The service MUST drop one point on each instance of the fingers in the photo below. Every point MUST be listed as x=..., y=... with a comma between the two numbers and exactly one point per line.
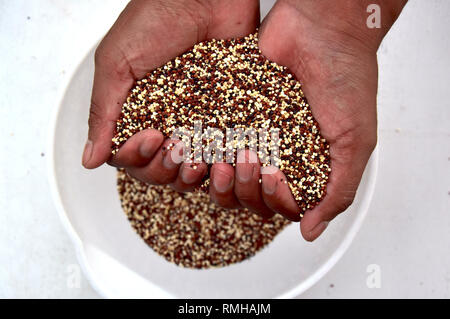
x=277, y=194
x=108, y=93
x=189, y=177
x=241, y=187
x=162, y=169
x=221, y=188
x=247, y=187
x=138, y=150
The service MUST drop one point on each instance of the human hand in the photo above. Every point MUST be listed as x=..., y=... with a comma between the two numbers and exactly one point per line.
x=336, y=64
x=329, y=48
x=147, y=34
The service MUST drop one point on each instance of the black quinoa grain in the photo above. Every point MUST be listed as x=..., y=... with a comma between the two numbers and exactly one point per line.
x=190, y=231
x=229, y=83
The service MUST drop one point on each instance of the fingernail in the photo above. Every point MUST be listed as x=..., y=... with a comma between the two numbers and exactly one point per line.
x=168, y=162
x=269, y=184
x=188, y=174
x=87, y=153
x=147, y=149
x=222, y=182
x=244, y=170
x=177, y=153
x=318, y=230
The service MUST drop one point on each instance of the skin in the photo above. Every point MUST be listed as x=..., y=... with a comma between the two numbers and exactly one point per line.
x=327, y=45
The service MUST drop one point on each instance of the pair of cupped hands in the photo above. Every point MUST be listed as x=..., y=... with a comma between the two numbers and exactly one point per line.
x=326, y=44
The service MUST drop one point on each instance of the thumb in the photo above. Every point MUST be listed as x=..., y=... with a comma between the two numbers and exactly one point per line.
x=112, y=80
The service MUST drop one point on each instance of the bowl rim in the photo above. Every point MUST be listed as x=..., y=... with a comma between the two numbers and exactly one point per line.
x=78, y=243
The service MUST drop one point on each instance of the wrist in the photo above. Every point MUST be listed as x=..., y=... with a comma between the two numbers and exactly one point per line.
x=364, y=22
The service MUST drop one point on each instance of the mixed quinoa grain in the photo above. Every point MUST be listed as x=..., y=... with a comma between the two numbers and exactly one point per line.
x=229, y=83
x=190, y=231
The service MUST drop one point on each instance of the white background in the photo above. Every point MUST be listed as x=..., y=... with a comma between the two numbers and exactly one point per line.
x=406, y=233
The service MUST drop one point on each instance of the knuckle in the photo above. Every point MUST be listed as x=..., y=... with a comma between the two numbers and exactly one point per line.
x=223, y=202
x=176, y=187
x=111, y=60
x=147, y=177
x=245, y=197
x=101, y=55
x=161, y=179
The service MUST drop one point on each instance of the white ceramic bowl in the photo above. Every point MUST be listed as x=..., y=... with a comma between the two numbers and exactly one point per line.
x=119, y=264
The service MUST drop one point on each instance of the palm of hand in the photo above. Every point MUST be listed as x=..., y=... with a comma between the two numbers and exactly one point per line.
x=146, y=35
x=339, y=83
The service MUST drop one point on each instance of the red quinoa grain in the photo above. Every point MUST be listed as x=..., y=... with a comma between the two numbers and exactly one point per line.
x=189, y=230
x=229, y=83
